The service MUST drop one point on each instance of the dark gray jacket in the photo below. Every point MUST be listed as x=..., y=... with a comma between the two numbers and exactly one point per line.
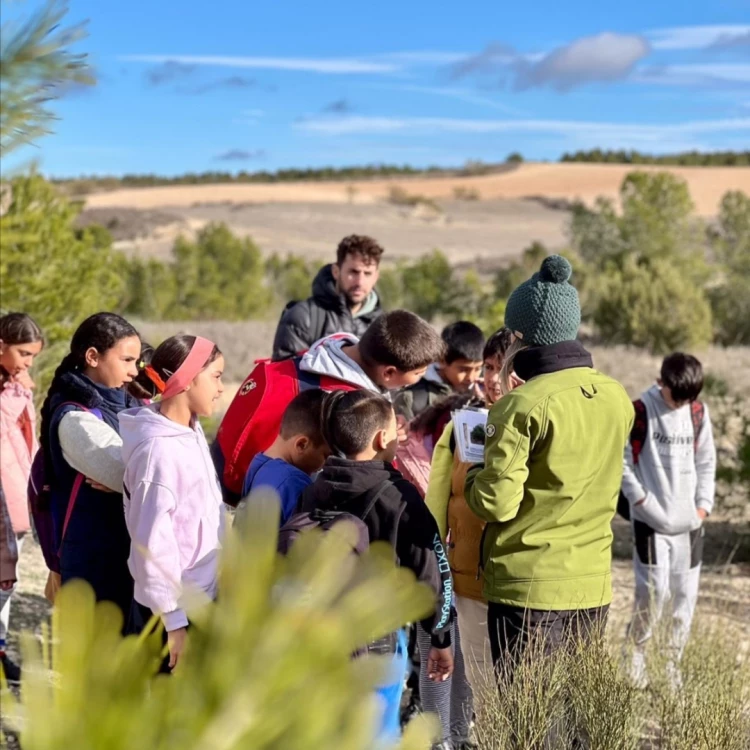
x=326, y=312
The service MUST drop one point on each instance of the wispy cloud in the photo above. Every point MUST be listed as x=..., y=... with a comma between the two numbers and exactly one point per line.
x=728, y=42
x=694, y=37
x=238, y=154
x=644, y=133
x=696, y=74
x=168, y=71
x=423, y=57
x=335, y=66
x=230, y=82
x=464, y=95
x=339, y=107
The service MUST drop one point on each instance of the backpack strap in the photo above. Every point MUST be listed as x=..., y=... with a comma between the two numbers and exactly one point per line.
x=640, y=429
x=378, y=491
x=78, y=481
x=697, y=413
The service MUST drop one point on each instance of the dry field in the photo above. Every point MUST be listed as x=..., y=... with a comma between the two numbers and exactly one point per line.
x=309, y=218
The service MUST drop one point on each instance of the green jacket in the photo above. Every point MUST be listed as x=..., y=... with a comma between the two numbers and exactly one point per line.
x=548, y=490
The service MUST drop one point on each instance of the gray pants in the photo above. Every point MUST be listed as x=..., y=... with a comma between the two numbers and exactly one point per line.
x=5, y=600
x=450, y=700
x=667, y=573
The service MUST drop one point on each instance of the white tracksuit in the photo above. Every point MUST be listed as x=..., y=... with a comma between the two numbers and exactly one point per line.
x=676, y=478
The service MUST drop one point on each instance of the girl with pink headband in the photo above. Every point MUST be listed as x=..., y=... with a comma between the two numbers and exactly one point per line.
x=173, y=503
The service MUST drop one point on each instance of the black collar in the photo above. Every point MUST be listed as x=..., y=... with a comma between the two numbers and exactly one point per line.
x=542, y=360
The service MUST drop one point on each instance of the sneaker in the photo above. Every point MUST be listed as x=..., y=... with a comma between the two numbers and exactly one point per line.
x=11, y=669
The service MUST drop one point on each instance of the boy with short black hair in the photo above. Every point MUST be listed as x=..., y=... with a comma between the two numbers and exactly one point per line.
x=394, y=352
x=360, y=428
x=669, y=479
x=298, y=452
x=456, y=372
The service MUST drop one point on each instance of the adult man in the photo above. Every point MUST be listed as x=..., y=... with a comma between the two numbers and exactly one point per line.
x=343, y=299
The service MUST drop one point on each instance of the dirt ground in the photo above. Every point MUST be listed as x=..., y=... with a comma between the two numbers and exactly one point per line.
x=515, y=208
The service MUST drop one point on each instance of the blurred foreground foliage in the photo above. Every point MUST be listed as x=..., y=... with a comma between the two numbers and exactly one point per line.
x=268, y=666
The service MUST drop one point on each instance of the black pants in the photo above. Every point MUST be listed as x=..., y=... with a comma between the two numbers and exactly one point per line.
x=511, y=629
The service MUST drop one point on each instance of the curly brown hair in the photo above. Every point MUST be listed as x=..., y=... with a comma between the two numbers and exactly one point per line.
x=359, y=244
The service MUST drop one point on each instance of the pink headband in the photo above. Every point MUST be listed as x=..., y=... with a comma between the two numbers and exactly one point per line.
x=190, y=368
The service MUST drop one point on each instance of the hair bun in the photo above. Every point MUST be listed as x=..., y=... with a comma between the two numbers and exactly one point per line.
x=556, y=269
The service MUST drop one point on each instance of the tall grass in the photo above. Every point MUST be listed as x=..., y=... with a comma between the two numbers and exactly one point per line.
x=582, y=697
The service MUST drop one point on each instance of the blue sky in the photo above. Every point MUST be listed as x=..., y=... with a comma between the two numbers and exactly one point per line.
x=194, y=86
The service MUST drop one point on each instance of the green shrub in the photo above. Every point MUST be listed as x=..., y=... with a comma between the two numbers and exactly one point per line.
x=267, y=667
x=652, y=306
x=401, y=197
x=730, y=304
x=291, y=277
x=462, y=193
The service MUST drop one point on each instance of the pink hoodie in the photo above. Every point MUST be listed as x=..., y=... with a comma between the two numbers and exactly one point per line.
x=173, y=511
x=18, y=446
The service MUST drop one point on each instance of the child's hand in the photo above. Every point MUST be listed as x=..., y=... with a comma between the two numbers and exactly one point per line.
x=6, y=585
x=440, y=664
x=702, y=514
x=176, y=642
x=98, y=486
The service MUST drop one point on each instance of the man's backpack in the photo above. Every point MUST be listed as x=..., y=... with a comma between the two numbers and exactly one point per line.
x=414, y=462
x=638, y=436
x=40, y=502
x=253, y=419
x=327, y=520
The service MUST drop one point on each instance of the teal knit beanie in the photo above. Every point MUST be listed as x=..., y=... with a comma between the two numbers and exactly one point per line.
x=545, y=309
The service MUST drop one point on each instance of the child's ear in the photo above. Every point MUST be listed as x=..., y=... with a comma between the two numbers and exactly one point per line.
x=380, y=441
x=301, y=443
x=389, y=373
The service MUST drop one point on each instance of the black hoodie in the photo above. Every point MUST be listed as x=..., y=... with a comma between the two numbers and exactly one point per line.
x=322, y=314
x=399, y=517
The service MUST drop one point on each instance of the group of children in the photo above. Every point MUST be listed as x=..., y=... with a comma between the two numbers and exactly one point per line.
x=120, y=428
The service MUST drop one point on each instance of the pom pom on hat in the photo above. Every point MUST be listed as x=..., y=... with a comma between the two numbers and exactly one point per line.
x=556, y=269
x=545, y=309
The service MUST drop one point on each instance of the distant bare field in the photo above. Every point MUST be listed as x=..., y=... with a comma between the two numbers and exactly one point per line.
x=559, y=181
x=515, y=208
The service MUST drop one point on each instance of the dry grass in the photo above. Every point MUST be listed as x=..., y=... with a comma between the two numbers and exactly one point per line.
x=582, y=697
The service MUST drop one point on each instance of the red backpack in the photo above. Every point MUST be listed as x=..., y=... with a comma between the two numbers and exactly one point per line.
x=253, y=419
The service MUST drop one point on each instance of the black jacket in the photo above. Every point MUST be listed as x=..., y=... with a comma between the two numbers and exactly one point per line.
x=326, y=312
x=399, y=517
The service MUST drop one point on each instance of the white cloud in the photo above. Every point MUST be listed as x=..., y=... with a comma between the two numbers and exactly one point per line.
x=697, y=74
x=659, y=135
x=694, y=37
x=601, y=58
x=340, y=66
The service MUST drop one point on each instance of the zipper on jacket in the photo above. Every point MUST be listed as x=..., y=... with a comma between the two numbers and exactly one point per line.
x=480, y=567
